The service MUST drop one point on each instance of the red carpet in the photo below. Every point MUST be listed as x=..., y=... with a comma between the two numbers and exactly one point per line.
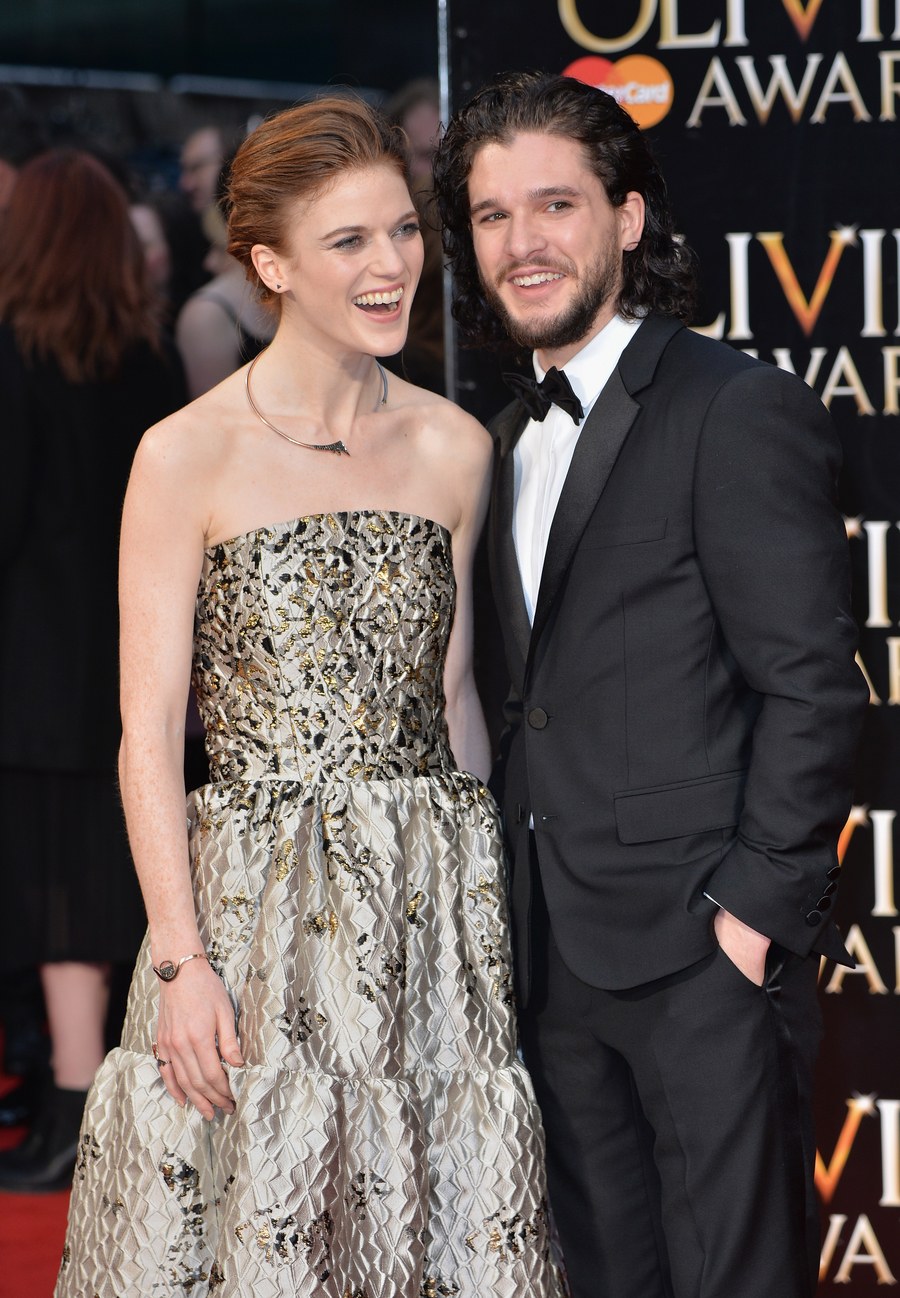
x=32, y=1227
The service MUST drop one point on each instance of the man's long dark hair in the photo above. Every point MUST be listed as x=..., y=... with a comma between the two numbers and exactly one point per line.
x=657, y=276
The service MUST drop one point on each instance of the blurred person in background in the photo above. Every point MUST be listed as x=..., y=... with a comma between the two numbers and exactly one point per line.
x=223, y=325
x=151, y=232
x=83, y=370
x=415, y=108
x=202, y=155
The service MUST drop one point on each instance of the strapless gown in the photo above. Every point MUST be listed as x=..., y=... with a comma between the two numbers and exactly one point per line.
x=349, y=884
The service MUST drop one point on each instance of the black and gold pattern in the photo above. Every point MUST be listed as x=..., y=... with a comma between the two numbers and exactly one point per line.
x=349, y=881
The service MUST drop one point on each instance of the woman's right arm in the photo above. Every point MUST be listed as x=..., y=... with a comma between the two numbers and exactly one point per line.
x=160, y=559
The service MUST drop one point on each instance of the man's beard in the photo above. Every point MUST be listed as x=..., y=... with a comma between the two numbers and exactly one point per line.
x=599, y=285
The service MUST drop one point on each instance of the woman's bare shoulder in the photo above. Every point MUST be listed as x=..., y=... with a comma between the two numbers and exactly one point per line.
x=444, y=424
x=185, y=453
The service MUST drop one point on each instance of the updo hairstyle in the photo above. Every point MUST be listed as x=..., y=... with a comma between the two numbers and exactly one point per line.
x=296, y=155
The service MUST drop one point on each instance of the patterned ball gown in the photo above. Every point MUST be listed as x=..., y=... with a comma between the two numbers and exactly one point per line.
x=349, y=883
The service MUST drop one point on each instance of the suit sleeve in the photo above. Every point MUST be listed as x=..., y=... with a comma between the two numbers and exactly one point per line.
x=774, y=555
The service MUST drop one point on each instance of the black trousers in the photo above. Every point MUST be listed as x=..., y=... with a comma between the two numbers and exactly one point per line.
x=680, y=1150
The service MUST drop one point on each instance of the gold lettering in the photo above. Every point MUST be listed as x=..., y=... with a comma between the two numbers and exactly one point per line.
x=864, y=1237
x=802, y=15
x=827, y=1178
x=779, y=82
x=716, y=79
x=876, y=530
x=873, y=696
x=858, y=947
x=840, y=72
x=669, y=37
x=873, y=273
x=883, y=855
x=890, y=88
x=806, y=313
x=893, y=648
x=890, y=358
x=856, y=818
x=570, y=19
x=836, y=1223
x=890, y=1153
x=844, y=367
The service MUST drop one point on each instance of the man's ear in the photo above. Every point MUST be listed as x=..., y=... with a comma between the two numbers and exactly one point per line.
x=269, y=266
x=631, y=221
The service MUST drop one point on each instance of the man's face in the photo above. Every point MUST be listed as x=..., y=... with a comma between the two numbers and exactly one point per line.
x=201, y=161
x=548, y=242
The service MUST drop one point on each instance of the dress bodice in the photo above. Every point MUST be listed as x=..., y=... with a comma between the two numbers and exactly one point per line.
x=319, y=649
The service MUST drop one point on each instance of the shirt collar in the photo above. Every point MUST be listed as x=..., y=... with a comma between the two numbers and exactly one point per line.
x=589, y=369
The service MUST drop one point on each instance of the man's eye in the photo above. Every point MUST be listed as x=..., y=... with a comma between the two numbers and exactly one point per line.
x=557, y=205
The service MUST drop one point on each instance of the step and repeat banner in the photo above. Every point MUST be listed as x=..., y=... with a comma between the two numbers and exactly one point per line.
x=775, y=122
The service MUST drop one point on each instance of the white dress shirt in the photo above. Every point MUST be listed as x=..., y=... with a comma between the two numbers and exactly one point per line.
x=544, y=452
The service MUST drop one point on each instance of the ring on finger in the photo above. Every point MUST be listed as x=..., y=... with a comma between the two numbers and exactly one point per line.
x=160, y=1063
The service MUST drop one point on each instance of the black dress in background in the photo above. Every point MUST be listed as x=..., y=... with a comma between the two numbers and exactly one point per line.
x=65, y=871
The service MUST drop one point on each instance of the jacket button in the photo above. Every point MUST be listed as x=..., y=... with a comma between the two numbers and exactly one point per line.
x=830, y=890
x=833, y=873
x=824, y=903
x=813, y=918
x=537, y=718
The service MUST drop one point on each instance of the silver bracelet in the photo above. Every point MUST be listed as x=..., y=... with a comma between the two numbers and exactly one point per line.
x=167, y=970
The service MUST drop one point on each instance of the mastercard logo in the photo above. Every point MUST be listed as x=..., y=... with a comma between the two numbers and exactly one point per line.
x=640, y=84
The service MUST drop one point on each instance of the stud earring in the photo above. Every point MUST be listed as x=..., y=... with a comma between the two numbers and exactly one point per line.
x=278, y=286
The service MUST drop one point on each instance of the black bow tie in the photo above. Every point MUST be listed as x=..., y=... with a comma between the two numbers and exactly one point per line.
x=554, y=390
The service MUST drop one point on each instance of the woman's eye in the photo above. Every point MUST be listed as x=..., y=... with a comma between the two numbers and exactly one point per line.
x=351, y=241
x=408, y=230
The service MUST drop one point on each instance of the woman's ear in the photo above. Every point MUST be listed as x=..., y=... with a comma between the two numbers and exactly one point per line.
x=268, y=266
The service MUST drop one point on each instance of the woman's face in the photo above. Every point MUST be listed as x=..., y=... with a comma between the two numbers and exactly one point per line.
x=354, y=256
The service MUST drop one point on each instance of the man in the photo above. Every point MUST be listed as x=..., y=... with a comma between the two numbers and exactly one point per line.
x=672, y=577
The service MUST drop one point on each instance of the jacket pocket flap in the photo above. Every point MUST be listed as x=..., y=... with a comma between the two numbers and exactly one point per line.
x=600, y=535
x=675, y=810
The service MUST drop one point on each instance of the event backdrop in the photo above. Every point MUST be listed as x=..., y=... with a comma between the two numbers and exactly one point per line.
x=775, y=123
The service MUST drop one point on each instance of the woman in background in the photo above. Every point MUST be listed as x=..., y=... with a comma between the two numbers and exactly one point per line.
x=223, y=324
x=82, y=371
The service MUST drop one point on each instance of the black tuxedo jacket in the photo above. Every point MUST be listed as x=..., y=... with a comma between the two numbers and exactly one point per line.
x=685, y=709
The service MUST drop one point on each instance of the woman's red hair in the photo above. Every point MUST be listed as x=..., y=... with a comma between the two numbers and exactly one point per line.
x=72, y=279
x=294, y=156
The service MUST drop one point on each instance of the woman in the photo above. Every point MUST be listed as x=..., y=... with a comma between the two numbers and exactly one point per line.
x=82, y=369
x=223, y=324
x=317, y=1091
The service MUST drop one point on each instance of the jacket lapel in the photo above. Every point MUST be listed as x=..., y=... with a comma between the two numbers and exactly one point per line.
x=596, y=452
x=505, y=576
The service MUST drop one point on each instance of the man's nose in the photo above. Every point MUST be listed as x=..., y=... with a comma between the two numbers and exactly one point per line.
x=524, y=237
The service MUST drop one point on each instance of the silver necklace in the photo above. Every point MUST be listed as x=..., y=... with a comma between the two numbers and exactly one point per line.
x=336, y=448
